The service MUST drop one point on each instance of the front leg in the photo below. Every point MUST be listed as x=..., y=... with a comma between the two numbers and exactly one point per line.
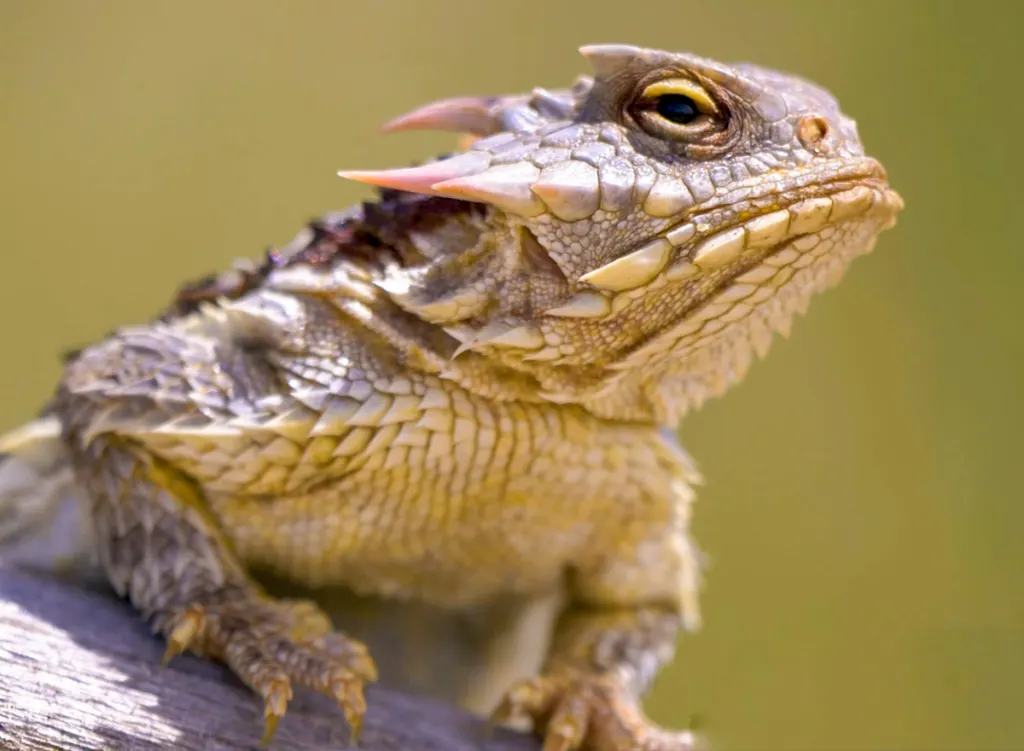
x=162, y=544
x=619, y=630
x=162, y=548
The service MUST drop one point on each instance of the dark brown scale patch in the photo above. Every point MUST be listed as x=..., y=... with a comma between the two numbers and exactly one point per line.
x=374, y=234
x=377, y=232
x=232, y=284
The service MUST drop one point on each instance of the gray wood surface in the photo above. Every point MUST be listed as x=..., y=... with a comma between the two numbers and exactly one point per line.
x=79, y=671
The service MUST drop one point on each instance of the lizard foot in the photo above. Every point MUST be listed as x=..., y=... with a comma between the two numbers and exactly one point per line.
x=581, y=711
x=271, y=644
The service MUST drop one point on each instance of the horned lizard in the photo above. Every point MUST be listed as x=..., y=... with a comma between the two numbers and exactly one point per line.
x=469, y=388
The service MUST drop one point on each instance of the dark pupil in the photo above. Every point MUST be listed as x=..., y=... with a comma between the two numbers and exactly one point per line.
x=677, y=108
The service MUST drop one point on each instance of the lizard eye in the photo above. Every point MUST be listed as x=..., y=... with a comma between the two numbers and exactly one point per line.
x=677, y=108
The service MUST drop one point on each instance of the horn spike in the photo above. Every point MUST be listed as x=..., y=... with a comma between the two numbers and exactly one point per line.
x=585, y=304
x=421, y=179
x=459, y=114
x=501, y=334
x=520, y=337
x=507, y=186
x=571, y=190
x=633, y=270
x=609, y=60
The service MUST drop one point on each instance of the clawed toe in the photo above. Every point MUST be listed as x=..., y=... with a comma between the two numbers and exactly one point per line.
x=567, y=728
x=276, y=695
x=272, y=648
x=587, y=712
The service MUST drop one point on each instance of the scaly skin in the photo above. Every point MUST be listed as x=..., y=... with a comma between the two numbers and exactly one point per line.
x=468, y=390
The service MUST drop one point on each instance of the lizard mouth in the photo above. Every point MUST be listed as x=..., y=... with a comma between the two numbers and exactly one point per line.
x=761, y=227
x=734, y=231
x=765, y=259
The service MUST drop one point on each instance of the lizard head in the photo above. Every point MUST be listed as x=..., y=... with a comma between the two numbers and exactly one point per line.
x=649, y=229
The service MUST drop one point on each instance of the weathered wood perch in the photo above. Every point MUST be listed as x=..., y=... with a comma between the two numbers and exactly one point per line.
x=79, y=672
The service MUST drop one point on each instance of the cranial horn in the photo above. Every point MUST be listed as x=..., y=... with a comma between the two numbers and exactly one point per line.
x=460, y=114
x=422, y=179
x=507, y=186
x=610, y=59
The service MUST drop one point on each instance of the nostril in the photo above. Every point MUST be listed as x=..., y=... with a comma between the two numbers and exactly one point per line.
x=812, y=130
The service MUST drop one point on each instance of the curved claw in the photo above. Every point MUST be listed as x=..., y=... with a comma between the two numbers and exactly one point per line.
x=189, y=626
x=275, y=702
x=348, y=693
x=459, y=114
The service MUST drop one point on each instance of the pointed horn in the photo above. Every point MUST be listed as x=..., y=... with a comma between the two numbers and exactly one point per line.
x=460, y=114
x=501, y=334
x=571, y=190
x=609, y=60
x=507, y=186
x=422, y=179
x=633, y=270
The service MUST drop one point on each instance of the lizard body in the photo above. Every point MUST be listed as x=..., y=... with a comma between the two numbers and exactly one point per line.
x=468, y=390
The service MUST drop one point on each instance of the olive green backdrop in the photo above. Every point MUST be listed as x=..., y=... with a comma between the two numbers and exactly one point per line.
x=863, y=509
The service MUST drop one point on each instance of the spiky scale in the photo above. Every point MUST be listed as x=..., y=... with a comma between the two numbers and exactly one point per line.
x=632, y=270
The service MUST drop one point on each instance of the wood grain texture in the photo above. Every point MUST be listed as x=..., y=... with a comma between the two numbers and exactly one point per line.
x=80, y=672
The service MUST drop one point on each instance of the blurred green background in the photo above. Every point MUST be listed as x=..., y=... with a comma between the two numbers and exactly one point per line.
x=863, y=509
